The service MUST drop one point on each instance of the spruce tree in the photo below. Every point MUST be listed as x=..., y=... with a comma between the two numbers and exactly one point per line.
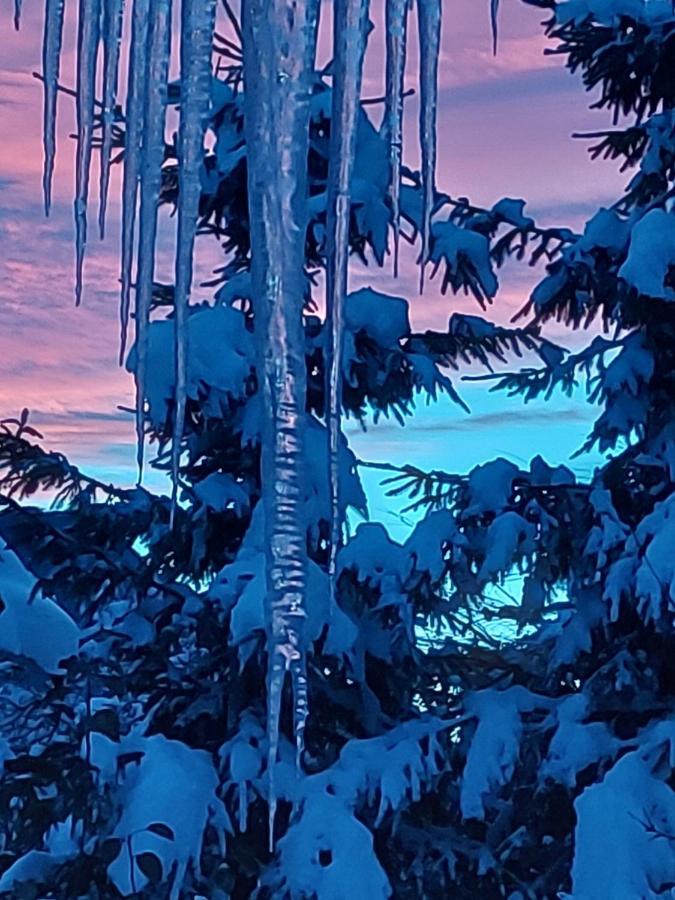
x=440, y=759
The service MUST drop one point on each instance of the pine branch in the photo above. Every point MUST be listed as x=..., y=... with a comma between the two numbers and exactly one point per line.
x=471, y=339
x=43, y=525
x=25, y=469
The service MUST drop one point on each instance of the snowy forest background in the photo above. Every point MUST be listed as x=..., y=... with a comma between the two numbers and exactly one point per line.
x=482, y=709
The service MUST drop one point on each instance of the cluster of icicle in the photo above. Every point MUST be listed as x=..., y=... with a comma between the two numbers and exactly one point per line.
x=279, y=49
x=100, y=25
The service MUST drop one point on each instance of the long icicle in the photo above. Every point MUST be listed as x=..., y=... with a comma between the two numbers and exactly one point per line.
x=279, y=52
x=349, y=39
x=197, y=24
x=133, y=115
x=51, y=63
x=494, y=23
x=153, y=146
x=396, y=27
x=87, y=54
x=112, y=36
x=429, y=16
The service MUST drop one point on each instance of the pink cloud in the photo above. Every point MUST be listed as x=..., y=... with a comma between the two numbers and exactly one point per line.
x=504, y=126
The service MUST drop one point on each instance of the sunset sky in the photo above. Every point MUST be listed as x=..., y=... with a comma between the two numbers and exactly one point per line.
x=505, y=127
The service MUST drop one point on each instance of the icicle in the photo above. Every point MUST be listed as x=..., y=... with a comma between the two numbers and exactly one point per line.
x=300, y=706
x=197, y=23
x=243, y=806
x=396, y=26
x=51, y=60
x=429, y=13
x=159, y=46
x=349, y=37
x=87, y=53
x=279, y=51
x=17, y=14
x=112, y=35
x=133, y=115
x=494, y=11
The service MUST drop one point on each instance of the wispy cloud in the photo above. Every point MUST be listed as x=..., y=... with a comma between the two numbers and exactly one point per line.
x=504, y=129
x=509, y=418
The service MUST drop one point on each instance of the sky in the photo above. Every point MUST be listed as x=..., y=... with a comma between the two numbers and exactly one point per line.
x=505, y=126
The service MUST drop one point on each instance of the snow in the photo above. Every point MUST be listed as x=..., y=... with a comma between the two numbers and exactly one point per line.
x=494, y=747
x=512, y=211
x=610, y=533
x=607, y=230
x=219, y=491
x=36, y=865
x=427, y=378
x=508, y=535
x=631, y=368
x=616, y=855
x=410, y=201
x=460, y=246
x=382, y=317
x=576, y=744
x=173, y=785
x=651, y=254
x=329, y=854
x=377, y=560
x=573, y=631
x=122, y=617
x=547, y=289
x=541, y=473
x=229, y=148
x=660, y=130
x=462, y=325
x=221, y=360
x=369, y=185
x=371, y=213
x=32, y=625
x=61, y=841
x=335, y=828
x=655, y=576
x=315, y=488
x=237, y=287
x=429, y=542
x=642, y=567
x=243, y=757
x=490, y=486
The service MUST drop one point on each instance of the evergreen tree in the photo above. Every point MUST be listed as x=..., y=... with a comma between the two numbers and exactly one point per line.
x=440, y=760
